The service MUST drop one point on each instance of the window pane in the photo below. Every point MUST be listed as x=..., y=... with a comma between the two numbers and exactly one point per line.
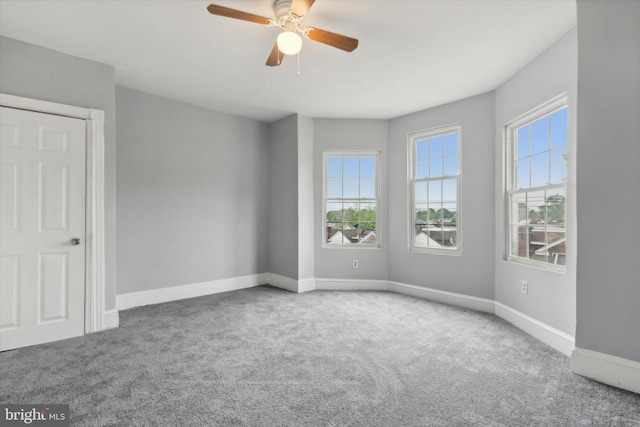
x=540, y=169
x=422, y=214
x=354, y=222
x=436, y=236
x=448, y=227
x=422, y=169
x=520, y=241
x=555, y=245
x=422, y=149
x=334, y=221
x=523, y=173
x=435, y=146
x=350, y=188
x=367, y=167
x=559, y=165
x=435, y=191
x=334, y=233
x=334, y=166
x=334, y=188
x=420, y=194
x=435, y=213
x=367, y=188
x=555, y=207
x=334, y=212
x=422, y=237
x=519, y=209
x=524, y=146
x=559, y=123
x=451, y=165
x=449, y=190
x=451, y=144
x=435, y=219
x=435, y=167
x=448, y=211
x=350, y=214
x=540, y=135
x=535, y=207
x=367, y=216
x=350, y=166
x=537, y=222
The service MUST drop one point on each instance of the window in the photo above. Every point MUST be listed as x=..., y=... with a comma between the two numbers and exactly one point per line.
x=434, y=176
x=351, y=200
x=537, y=147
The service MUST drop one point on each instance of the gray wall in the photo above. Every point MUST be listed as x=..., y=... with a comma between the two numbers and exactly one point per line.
x=470, y=273
x=35, y=72
x=608, y=315
x=306, y=207
x=283, y=198
x=552, y=296
x=192, y=193
x=369, y=135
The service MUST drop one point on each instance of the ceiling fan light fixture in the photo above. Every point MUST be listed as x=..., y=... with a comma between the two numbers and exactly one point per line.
x=289, y=43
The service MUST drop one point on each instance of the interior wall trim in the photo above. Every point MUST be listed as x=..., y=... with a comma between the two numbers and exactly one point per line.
x=174, y=293
x=351, y=285
x=608, y=369
x=111, y=319
x=549, y=335
x=282, y=282
x=459, y=300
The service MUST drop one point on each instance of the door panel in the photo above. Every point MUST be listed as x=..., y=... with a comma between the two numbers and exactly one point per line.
x=43, y=207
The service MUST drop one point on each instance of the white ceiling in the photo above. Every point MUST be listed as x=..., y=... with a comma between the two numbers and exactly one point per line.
x=413, y=54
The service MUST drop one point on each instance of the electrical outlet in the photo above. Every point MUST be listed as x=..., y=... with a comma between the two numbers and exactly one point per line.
x=355, y=263
x=525, y=287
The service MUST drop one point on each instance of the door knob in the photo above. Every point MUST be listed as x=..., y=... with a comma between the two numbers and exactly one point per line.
x=75, y=241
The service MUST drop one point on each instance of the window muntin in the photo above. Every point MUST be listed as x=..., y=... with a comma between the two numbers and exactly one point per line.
x=435, y=190
x=351, y=199
x=537, y=188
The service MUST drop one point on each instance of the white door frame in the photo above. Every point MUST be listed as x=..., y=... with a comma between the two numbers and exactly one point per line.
x=94, y=312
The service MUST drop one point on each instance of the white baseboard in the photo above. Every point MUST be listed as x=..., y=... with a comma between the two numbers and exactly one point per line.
x=545, y=333
x=282, y=282
x=289, y=284
x=601, y=367
x=173, y=293
x=110, y=319
x=608, y=369
x=351, y=285
x=557, y=339
x=459, y=300
x=306, y=285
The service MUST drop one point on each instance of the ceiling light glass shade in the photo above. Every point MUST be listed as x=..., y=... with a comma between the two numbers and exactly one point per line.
x=289, y=43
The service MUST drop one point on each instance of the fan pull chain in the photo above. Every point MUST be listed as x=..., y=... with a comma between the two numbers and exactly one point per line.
x=298, y=62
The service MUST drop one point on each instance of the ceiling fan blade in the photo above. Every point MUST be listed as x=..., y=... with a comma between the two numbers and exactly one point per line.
x=301, y=7
x=275, y=57
x=332, y=39
x=214, y=9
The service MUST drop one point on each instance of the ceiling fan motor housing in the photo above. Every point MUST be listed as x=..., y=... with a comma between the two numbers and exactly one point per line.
x=281, y=9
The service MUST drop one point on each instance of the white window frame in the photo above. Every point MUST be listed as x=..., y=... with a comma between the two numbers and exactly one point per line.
x=376, y=156
x=546, y=109
x=413, y=138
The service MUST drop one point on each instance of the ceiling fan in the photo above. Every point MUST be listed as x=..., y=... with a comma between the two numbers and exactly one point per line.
x=288, y=16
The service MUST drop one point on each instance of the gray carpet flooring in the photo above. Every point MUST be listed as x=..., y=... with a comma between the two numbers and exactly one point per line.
x=266, y=357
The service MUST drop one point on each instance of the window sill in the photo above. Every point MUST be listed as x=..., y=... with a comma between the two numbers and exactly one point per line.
x=358, y=247
x=433, y=251
x=552, y=268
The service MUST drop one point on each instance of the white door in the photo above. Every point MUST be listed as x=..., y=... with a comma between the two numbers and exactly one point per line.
x=42, y=226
